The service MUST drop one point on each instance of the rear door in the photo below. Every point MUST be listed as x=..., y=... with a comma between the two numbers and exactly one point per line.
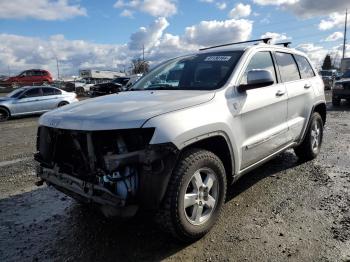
x=263, y=114
x=49, y=98
x=299, y=88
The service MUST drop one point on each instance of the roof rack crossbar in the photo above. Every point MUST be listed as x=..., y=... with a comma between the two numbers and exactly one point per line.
x=285, y=44
x=265, y=40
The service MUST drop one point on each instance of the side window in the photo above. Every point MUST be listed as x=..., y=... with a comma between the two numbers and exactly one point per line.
x=57, y=92
x=288, y=68
x=33, y=92
x=48, y=91
x=304, y=67
x=261, y=60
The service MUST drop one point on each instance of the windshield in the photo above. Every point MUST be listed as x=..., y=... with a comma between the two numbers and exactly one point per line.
x=206, y=71
x=15, y=93
x=346, y=74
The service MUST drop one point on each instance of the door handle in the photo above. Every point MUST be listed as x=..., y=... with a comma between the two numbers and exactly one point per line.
x=307, y=86
x=280, y=93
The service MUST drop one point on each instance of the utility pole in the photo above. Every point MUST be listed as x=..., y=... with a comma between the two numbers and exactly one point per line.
x=346, y=22
x=8, y=67
x=58, y=69
x=143, y=53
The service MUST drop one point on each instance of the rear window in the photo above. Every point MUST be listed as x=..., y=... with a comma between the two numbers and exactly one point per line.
x=48, y=91
x=305, y=68
x=287, y=66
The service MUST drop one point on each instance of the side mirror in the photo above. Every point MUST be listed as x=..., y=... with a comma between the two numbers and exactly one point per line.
x=257, y=78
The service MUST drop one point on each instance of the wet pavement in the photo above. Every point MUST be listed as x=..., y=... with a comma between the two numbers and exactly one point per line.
x=282, y=211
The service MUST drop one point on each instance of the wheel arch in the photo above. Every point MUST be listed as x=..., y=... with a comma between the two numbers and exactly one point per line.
x=320, y=108
x=62, y=101
x=6, y=108
x=219, y=144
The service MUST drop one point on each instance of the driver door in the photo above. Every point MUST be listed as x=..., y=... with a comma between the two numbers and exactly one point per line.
x=263, y=114
x=29, y=101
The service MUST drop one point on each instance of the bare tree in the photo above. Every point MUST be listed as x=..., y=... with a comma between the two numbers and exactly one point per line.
x=139, y=66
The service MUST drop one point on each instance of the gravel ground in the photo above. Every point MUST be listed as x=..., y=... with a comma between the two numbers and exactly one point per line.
x=282, y=211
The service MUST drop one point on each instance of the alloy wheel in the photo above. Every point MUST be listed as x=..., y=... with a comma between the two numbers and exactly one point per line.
x=201, y=196
x=315, y=136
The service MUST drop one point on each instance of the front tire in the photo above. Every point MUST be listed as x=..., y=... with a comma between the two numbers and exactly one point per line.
x=4, y=114
x=195, y=196
x=63, y=103
x=310, y=147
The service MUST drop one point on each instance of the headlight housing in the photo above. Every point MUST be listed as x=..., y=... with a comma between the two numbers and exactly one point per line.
x=338, y=86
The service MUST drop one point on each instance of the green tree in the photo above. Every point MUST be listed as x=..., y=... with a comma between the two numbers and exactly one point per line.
x=327, y=63
x=139, y=66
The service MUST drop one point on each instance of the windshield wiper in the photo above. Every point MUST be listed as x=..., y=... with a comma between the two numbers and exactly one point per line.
x=160, y=87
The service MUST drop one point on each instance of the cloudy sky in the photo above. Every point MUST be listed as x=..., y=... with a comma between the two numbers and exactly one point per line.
x=108, y=34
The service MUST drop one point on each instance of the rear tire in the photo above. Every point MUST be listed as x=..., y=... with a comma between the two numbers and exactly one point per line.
x=310, y=147
x=4, y=114
x=63, y=103
x=335, y=101
x=195, y=196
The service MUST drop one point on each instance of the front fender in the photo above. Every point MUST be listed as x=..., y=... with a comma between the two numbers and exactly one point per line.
x=187, y=126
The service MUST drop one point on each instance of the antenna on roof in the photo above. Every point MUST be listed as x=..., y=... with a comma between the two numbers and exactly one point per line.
x=265, y=40
x=285, y=44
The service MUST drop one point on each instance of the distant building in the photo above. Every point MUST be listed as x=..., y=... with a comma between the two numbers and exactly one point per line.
x=345, y=64
x=99, y=74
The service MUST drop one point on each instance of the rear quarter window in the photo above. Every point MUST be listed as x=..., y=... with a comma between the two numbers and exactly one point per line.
x=58, y=92
x=287, y=66
x=305, y=68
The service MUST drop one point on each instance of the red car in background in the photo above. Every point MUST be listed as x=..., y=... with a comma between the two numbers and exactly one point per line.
x=28, y=77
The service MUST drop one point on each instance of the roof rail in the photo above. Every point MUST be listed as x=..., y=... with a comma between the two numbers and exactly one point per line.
x=285, y=44
x=265, y=40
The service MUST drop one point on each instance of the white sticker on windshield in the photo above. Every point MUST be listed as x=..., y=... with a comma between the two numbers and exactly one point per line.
x=221, y=58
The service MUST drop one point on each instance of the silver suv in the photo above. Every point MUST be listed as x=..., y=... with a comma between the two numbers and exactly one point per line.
x=183, y=133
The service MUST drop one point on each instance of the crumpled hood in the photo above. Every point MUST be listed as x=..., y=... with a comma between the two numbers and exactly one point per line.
x=123, y=110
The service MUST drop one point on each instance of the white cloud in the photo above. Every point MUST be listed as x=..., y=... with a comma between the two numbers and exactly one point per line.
x=308, y=8
x=148, y=37
x=40, y=9
x=275, y=2
x=276, y=37
x=333, y=20
x=22, y=52
x=334, y=37
x=218, y=32
x=221, y=5
x=240, y=10
x=127, y=13
x=164, y=8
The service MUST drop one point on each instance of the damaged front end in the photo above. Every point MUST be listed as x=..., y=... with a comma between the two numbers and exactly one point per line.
x=117, y=169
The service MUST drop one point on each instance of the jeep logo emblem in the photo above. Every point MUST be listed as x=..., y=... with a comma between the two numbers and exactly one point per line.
x=54, y=122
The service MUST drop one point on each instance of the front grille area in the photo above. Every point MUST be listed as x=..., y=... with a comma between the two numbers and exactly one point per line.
x=71, y=152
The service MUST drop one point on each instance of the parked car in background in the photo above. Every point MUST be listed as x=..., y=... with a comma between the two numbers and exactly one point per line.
x=341, y=89
x=116, y=85
x=28, y=78
x=328, y=77
x=174, y=148
x=33, y=100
